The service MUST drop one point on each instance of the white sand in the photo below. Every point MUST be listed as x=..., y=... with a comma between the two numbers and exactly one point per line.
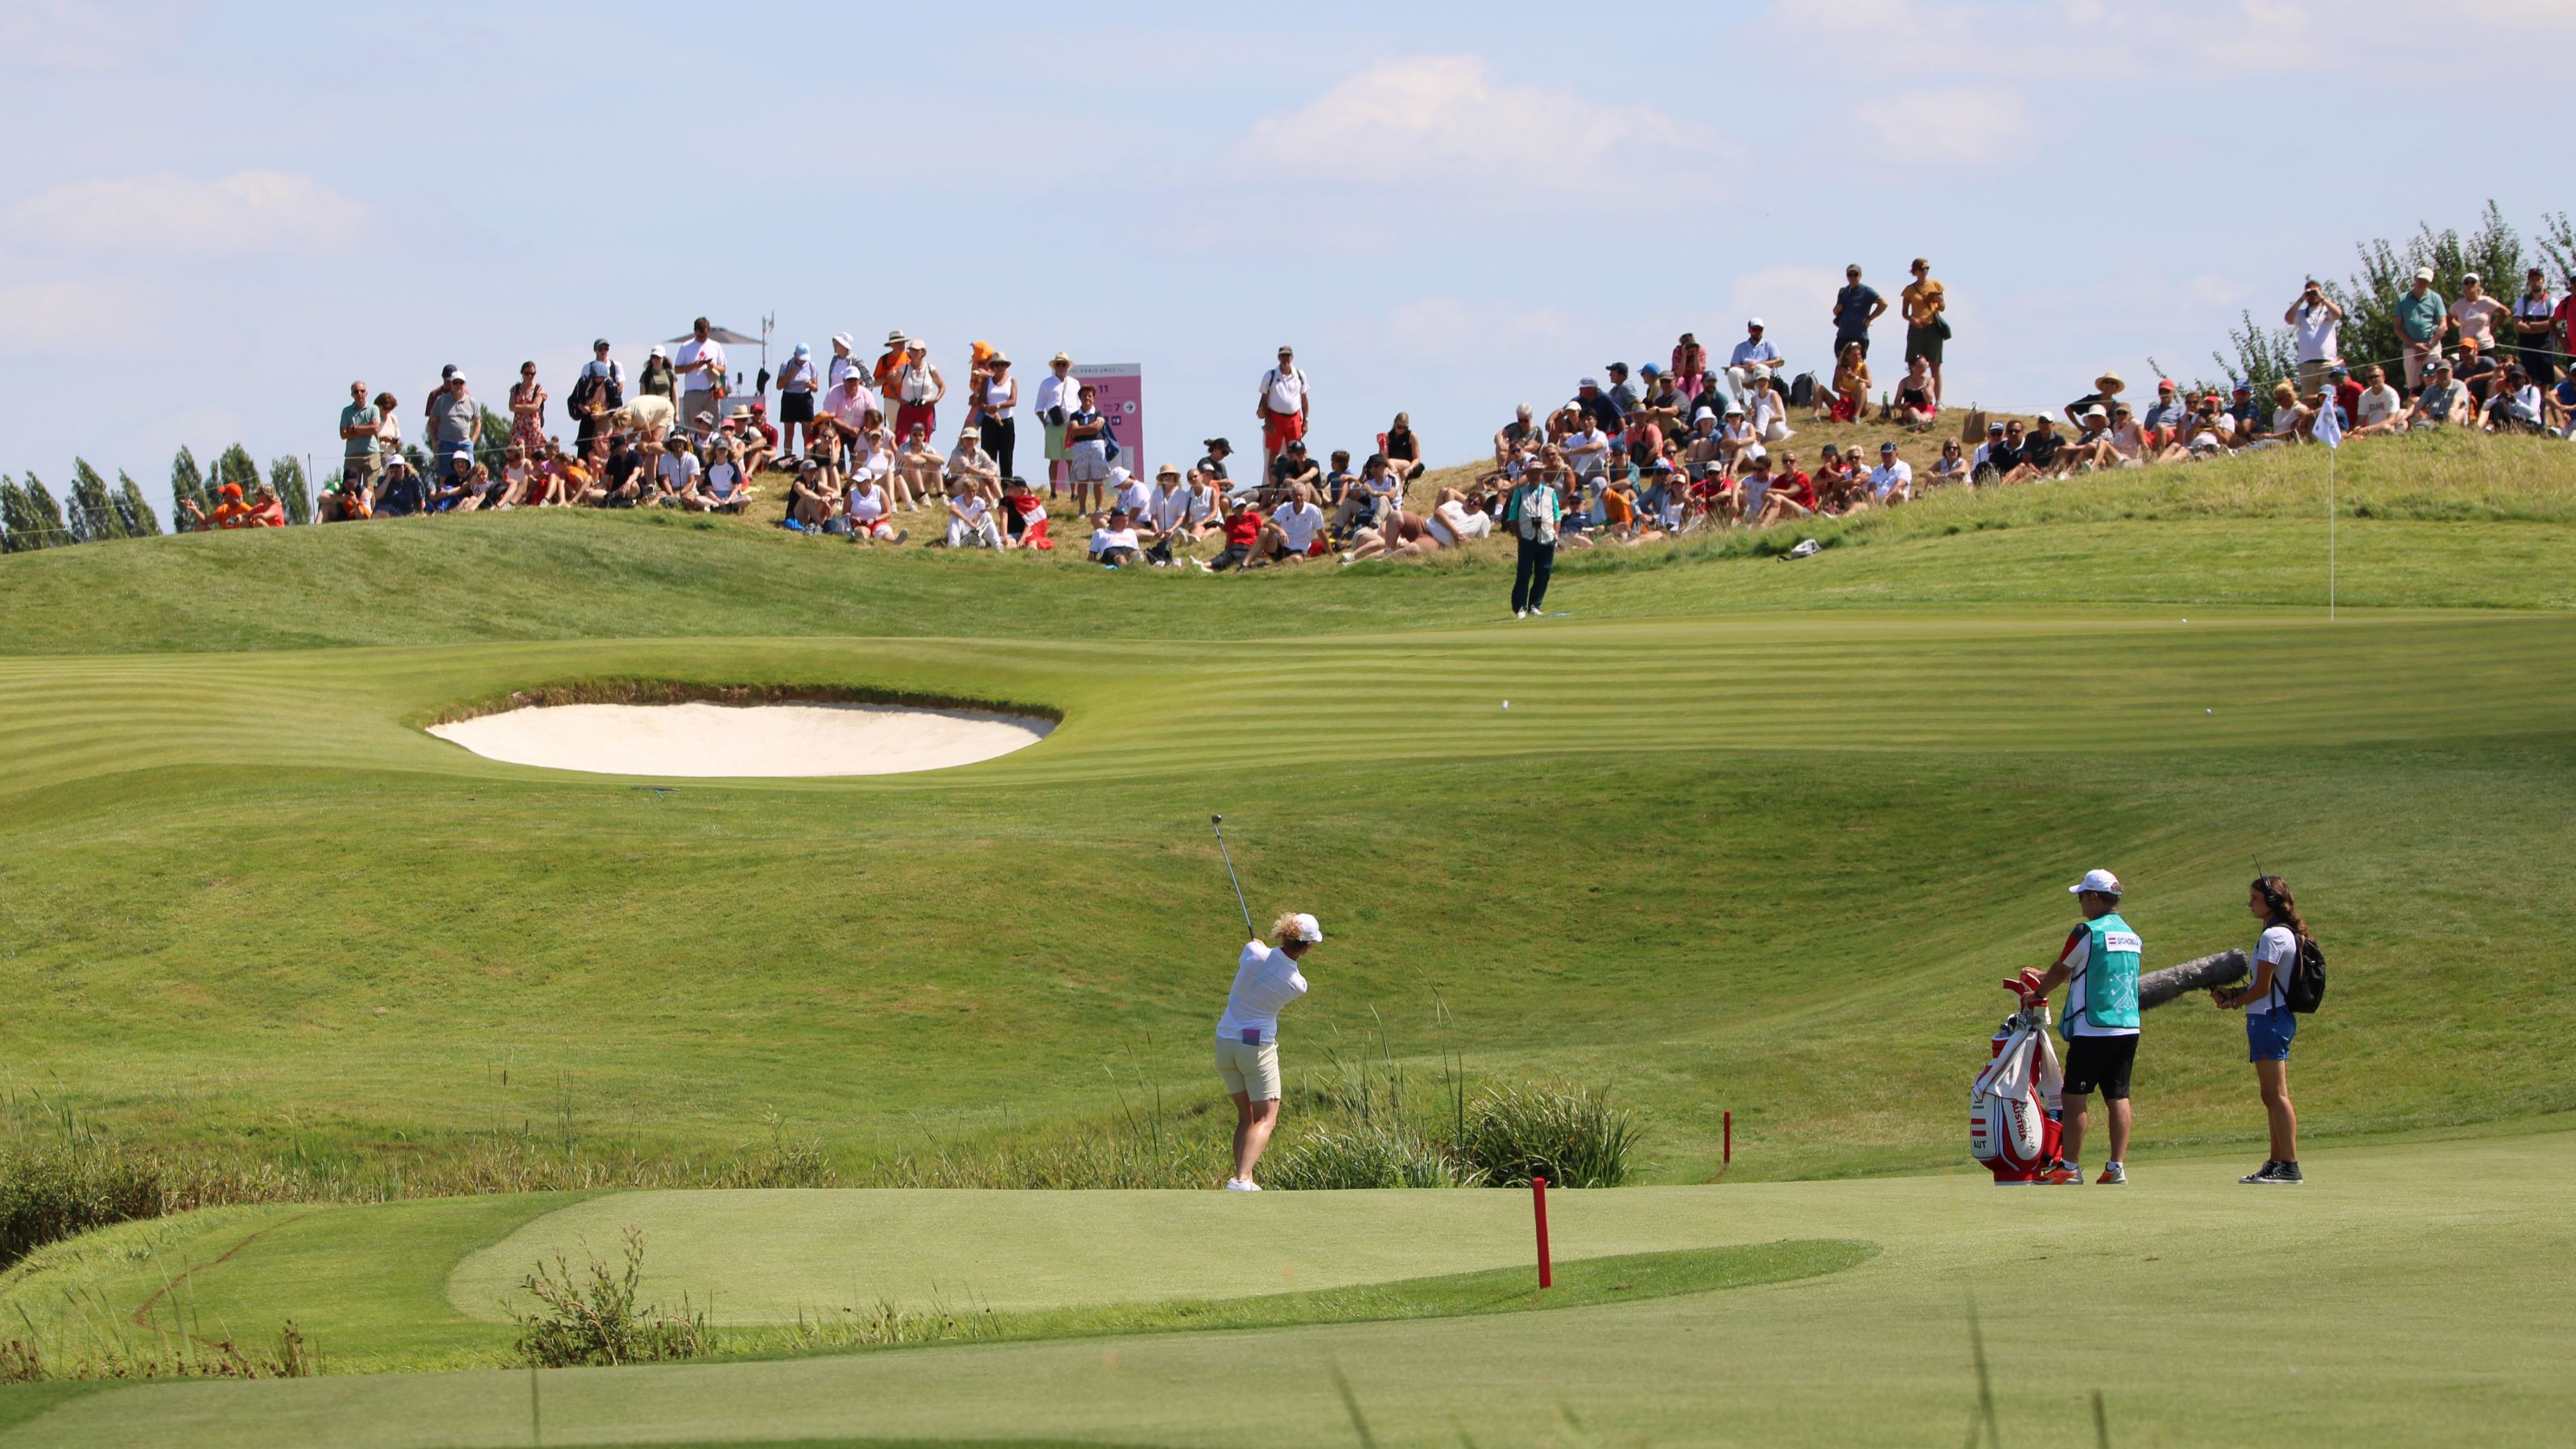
x=712, y=741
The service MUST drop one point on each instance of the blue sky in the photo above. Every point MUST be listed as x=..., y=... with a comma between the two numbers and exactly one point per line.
x=216, y=216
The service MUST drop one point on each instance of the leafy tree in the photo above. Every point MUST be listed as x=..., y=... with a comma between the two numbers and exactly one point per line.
x=17, y=518
x=234, y=465
x=187, y=485
x=286, y=475
x=495, y=440
x=140, y=520
x=94, y=518
x=46, y=515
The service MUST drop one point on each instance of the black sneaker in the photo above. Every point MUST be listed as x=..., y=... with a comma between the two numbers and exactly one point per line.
x=2261, y=1174
x=2285, y=1174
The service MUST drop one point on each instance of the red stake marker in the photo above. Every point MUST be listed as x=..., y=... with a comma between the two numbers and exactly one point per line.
x=1538, y=1205
x=1730, y=1138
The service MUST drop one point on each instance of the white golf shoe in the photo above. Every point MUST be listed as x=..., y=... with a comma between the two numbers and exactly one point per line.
x=1241, y=1184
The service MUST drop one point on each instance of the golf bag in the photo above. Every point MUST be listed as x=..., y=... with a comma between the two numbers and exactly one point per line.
x=2013, y=1127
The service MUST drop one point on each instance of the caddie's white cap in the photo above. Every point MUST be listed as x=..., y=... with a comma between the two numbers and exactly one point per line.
x=1307, y=929
x=2100, y=882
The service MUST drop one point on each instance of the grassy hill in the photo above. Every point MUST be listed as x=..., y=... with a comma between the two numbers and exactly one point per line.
x=1753, y=837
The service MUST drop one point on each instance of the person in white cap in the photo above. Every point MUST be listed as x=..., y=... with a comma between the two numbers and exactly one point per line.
x=798, y=382
x=2099, y=968
x=1753, y=357
x=1266, y=979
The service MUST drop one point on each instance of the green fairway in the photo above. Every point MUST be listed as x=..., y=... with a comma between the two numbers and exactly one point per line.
x=1752, y=837
x=2422, y=1295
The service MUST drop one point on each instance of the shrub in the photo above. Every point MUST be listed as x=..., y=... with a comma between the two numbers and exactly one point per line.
x=1367, y=1154
x=597, y=1320
x=1571, y=1136
x=50, y=1193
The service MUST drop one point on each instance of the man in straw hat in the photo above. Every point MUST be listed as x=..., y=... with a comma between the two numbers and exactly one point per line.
x=1058, y=395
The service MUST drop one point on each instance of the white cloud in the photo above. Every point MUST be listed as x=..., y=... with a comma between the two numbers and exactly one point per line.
x=1447, y=124
x=270, y=213
x=1948, y=127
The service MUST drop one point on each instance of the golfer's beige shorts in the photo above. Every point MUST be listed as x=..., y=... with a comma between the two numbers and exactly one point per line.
x=1251, y=1070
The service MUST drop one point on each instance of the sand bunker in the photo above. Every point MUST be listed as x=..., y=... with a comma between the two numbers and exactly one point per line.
x=724, y=741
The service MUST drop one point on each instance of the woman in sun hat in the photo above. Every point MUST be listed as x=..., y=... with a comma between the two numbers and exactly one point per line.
x=2269, y=1024
x=1266, y=980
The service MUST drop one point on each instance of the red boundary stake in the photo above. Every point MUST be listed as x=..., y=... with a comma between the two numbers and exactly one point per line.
x=1538, y=1206
x=1730, y=1138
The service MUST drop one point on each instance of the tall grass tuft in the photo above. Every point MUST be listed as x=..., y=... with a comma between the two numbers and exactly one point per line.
x=1379, y=1154
x=592, y=1317
x=1572, y=1136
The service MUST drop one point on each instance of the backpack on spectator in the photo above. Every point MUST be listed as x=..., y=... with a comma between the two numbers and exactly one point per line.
x=578, y=395
x=2305, y=990
x=1802, y=390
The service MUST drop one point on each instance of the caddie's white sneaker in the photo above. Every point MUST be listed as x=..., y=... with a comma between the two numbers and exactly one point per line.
x=1241, y=1184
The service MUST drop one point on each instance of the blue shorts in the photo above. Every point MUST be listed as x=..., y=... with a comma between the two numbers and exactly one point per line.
x=2267, y=1035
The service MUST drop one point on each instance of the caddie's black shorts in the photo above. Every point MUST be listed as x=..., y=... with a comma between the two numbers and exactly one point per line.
x=2100, y=1064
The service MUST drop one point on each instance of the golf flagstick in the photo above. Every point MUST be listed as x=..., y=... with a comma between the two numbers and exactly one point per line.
x=1217, y=824
x=2329, y=431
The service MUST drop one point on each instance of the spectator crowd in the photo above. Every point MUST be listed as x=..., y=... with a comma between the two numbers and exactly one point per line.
x=1696, y=441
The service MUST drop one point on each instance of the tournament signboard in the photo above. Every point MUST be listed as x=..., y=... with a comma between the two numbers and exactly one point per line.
x=1122, y=401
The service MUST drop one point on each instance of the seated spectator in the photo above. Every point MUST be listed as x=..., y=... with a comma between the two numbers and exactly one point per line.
x=1707, y=452
x=1916, y=408
x=266, y=509
x=1170, y=521
x=2292, y=419
x=1299, y=522
x=1514, y=434
x=1247, y=538
x=1291, y=467
x=1770, y=411
x=1113, y=540
x=1403, y=450
x=2515, y=406
x=2245, y=411
x=1792, y=493
x=970, y=515
x=2164, y=420
x=459, y=486
x=1207, y=505
x=1892, y=481
x=1850, y=392
x=2106, y=391
x=1950, y=467
x=814, y=501
x=1753, y=357
x=1753, y=488
x=755, y=439
x=1024, y=517
x=917, y=471
x=2381, y=408
x=2090, y=450
x=721, y=483
x=970, y=465
x=1367, y=500
x=1618, y=509
x=1131, y=493
x=1587, y=450
x=676, y=476
x=2129, y=439
x=1735, y=438
x=2040, y=452
x=2210, y=431
x=1998, y=455
x=230, y=512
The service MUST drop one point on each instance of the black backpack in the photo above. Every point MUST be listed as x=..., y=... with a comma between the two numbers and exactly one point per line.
x=2305, y=990
x=1802, y=390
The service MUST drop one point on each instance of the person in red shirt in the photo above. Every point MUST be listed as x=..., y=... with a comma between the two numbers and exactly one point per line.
x=1244, y=530
x=1792, y=493
x=266, y=511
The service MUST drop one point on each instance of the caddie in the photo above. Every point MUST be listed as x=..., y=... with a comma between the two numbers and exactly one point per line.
x=2100, y=969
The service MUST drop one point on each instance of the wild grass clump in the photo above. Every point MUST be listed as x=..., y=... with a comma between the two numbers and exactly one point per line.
x=50, y=1192
x=1366, y=1155
x=592, y=1317
x=1572, y=1136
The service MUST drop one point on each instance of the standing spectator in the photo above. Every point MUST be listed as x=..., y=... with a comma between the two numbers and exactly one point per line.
x=798, y=381
x=700, y=362
x=1753, y=357
x=1856, y=306
x=1286, y=405
x=1056, y=400
x=1402, y=449
x=1926, y=329
x=1086, y=437
x=597, y=390
x=528, y=411
x=889, y=363
x=2475, y=316
x=998, y=397
x=1600, y=407
x=2422, y=317
x=2317, y=322
x=455, y=422
x=2533, y=312
x=918, y=387
x=844, y=360
x=361, y=456
x=658, y=380
x=2565, y=316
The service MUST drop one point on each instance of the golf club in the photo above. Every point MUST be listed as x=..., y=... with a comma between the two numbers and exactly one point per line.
x=1217, y=824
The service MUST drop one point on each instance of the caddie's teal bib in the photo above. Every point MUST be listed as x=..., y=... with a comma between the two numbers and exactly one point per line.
x=2111, y=973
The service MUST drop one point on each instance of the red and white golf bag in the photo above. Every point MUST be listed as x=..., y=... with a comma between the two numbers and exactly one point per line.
x=2012, y=1108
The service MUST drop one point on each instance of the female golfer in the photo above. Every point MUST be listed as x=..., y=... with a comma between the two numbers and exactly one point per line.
x=2269, y=1024
x=1247, y=1036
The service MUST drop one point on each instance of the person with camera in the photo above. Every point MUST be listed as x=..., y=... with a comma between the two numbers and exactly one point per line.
x=2316, y=320
x=2269, y=1022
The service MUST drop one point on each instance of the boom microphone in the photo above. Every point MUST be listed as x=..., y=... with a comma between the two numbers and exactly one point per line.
x=2223, y=969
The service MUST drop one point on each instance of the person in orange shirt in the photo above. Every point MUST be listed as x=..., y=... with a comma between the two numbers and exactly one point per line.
x=890, y=364
x=230, y=513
